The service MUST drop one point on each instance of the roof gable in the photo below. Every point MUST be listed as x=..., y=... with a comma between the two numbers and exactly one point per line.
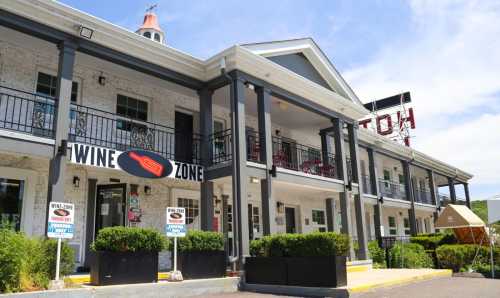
x=299, y=64
x=316, y=67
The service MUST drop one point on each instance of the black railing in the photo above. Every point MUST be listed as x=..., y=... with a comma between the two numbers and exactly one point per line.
x=367, y=185
x=101, y=128
x=391, y=189
x=27, y=112
x=222, y=146
x=290, y=155
x=445, y=200
x=423, y=196
x=253, y=146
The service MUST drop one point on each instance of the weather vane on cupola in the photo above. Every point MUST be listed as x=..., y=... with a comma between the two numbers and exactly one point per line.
x=150, y=28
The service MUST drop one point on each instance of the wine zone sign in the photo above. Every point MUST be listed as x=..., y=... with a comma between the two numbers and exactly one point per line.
x=139, y=163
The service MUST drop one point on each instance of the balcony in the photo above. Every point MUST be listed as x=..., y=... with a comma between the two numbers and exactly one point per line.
x=445, y=200
x=27, y=113
x=391, y=189
x=35, y=115
x=423, y=196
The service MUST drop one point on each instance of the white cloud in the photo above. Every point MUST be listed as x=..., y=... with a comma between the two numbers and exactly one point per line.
x=450, y=63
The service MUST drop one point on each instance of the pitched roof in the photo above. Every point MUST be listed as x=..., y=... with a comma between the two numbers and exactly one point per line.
x=150, y=22
x=458, y=216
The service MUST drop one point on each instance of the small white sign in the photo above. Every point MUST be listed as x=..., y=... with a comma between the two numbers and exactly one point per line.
x=61, y=221
x=176, y=222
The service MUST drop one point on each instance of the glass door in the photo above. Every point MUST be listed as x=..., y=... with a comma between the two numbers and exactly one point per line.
x=110, y=206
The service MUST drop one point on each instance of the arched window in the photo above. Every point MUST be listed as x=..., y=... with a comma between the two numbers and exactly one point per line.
x=147, y=34
x=157, y=37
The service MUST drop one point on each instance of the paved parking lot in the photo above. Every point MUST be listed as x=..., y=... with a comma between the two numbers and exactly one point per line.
x=449, y=287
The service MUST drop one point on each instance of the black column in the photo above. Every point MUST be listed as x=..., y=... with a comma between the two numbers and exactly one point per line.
x=359, y=204
x=57, y=167
x=467, y=195
x=340, y=163
x=378, y=214
x=410, y=197
x=266, y=157
x=434, y=195
x=240, y=177
x=453, y=194
x=207, y=187
x=207, y=205
x=331, y=213
x=326, y=146
x=90, y=219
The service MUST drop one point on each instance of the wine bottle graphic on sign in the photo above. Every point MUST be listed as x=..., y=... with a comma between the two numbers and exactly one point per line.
x=147, y=164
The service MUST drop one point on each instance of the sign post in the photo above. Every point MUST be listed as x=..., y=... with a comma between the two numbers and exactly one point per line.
x=176, y=227
x=61, y=224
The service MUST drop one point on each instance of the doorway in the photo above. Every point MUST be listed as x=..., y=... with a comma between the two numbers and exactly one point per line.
x=110, y=206
x=290, y=220
x=183, y=137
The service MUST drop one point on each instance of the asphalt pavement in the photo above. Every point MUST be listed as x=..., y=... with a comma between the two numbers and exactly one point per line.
x=448, y=287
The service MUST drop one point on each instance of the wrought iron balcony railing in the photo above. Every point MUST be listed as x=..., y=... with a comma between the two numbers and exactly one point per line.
x=391, y=189
x=445, y=200
x=221, y=144
x=423, y=196
x=27, y=112
x=101, y=128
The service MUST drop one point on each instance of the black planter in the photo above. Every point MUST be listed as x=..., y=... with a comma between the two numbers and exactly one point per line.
x=113, y=268
x=201, y=264
x=328, y=272
x=263, y=270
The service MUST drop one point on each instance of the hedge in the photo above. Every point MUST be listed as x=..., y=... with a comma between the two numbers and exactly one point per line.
x=377, y=254
x=433, y=241
x=459, y=257
x=301, y=245
x=128, y=239
x=201, y=241
x=410, y=255
x=28, y=264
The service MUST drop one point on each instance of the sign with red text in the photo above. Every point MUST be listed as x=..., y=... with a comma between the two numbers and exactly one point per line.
x=61, y=221
x=176, y=222
x=392, y=117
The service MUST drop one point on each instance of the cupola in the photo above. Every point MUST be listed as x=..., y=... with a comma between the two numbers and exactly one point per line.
x=150, y=28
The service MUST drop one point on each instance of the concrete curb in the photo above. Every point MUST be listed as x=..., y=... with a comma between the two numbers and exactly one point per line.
x=400, y=281
x=186, y=288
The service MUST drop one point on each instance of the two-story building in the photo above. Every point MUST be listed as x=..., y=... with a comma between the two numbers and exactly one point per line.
x=274, y=125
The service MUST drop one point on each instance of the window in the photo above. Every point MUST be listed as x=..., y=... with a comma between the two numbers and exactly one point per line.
x=11, y=196
x=401, y=179
x=157, y=37
x=407, y=226
x=318, y=217
x=147, y=35
x=47, y=85
x=192, y=209
x=131, y=108
x=393, y=230
x=255, y=219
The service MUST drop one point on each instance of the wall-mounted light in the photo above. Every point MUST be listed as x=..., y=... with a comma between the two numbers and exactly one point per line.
x=254, y=180
x=381, y=200
x=147, y=189
x=101, y=79
x=76, y=181
x=280, y=207
x=86, y=32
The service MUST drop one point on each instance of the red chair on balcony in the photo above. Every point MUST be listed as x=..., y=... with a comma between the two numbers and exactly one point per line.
x=279, y=159
x=327, y=170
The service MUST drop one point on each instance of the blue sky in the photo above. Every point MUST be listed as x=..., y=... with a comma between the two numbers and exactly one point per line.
x=446, y=53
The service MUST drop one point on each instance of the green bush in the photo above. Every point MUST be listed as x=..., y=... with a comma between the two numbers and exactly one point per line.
x=433, y=241
x=377, y=254
x=28, y=264
x=201, y=241
x=485, y=269
x=410, y=255
x=301, y=245
x=459, y=257
x=128, y=239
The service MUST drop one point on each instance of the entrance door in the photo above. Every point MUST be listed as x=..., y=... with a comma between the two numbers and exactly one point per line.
x=110, y=206
x=290, y=220
x=183, y=137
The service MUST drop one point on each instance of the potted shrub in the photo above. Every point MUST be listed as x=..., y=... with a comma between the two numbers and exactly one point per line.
x=125, y=255
x=201, y=255
x=308, y=260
